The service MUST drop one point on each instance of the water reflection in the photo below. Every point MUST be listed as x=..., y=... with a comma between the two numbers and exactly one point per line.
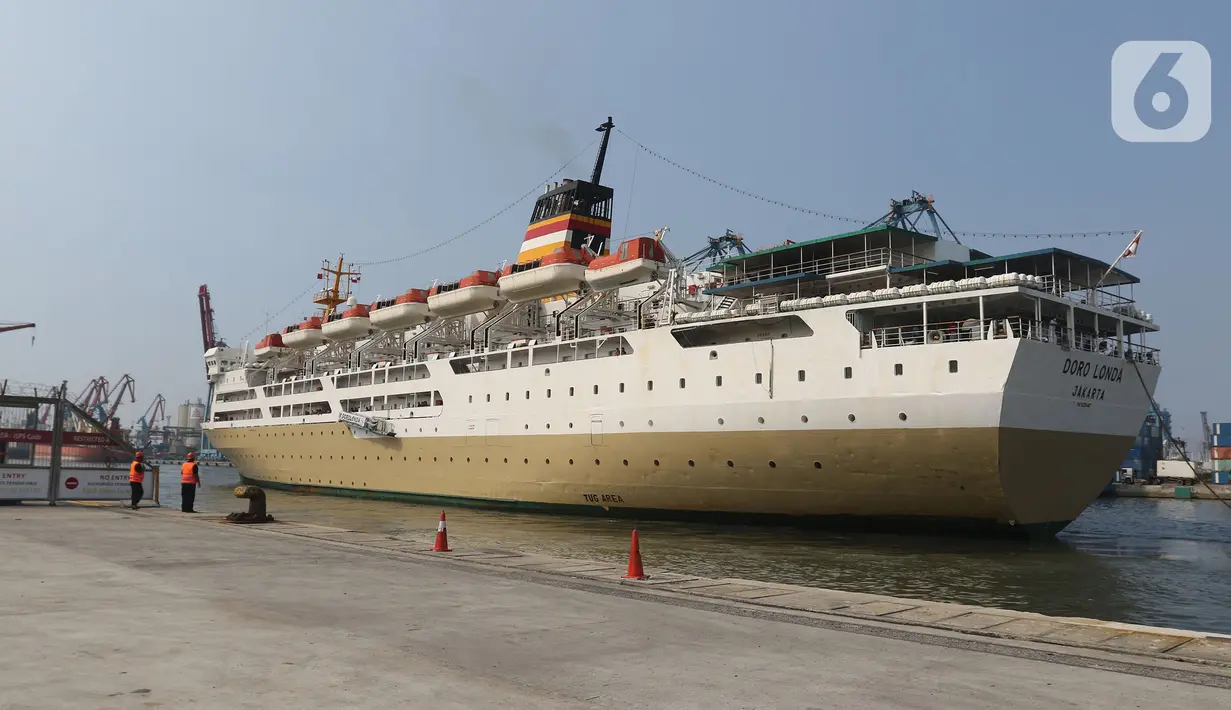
x=1159, y=562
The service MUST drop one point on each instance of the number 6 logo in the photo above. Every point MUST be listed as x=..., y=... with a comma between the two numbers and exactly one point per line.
x=1160, y=92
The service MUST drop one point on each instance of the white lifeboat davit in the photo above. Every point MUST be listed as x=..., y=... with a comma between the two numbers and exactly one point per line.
x=476, y=293
x=405, y=311
x=350, y=324
x=560, y=272
x=270, y=346
x=636, y=261
x=305, y=336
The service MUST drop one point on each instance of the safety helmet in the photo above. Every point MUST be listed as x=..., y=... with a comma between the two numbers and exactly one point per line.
x=140, y=454
x=192, y=456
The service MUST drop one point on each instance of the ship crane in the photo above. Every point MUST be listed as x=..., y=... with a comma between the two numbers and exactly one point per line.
x=906, y=214
x=209, y=337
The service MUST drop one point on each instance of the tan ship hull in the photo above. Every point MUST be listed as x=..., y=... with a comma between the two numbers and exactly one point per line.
x=1015, y=479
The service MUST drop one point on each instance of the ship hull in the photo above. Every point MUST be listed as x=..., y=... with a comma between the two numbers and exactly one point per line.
x=1012, y=481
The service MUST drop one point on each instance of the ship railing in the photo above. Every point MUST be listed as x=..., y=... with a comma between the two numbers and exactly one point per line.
x=1013, y=327
x=841, y=263
x=1088, y=295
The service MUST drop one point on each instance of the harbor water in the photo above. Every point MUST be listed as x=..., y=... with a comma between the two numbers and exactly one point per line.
x=1143, y=561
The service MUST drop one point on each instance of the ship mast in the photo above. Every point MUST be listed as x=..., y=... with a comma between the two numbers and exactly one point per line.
x=330, y=297
x=605, y=129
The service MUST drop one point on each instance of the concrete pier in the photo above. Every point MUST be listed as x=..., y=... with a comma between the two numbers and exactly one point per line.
x=109, y=608
x=1195, y=491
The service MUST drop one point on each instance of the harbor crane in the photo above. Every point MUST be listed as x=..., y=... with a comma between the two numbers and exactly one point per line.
x=905, y=214
x=6, y=327
x=127, y=384
x=155, y=413
x=716, y=249
x=209, y=337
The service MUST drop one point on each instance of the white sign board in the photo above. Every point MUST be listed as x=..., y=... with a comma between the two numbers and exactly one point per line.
x=75, y=484
x=24, y=483
x=100, y=484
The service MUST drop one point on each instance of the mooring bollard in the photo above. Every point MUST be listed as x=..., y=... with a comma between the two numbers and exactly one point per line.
x=256, y=506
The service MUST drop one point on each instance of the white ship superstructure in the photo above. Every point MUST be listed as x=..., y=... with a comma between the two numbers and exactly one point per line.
x=878, y=375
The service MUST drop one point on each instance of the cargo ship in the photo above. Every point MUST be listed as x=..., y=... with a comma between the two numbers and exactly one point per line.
x=883, y=377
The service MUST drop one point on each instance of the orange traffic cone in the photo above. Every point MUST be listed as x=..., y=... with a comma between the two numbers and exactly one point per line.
x=635, y=570
x=442, y=536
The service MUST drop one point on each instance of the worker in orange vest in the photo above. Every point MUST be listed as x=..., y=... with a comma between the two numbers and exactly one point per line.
x=190, y=480
x=136, y=475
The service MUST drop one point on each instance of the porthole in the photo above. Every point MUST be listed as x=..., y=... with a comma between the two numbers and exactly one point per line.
x=656, y=462
x=527, y=394
x=691, y=462
x=816, y=464
x=525, y=460
x=713, y=354
x=760, y=420
x=467, y=459
x=525, y=426
x=548, y=393
x=506, y=460
x=595, y=389
x=570, y=425
x=547, y=461
x=547, y=372
x=570, y=462
x=596, y=462
x=850, y=417
x=773, y=465
x=804, y=419
x=720, y=421
x=433, y=459
x=548, y=425
x=681, y=383
x=625, y=462
x=450, y=459
x=621, y=423
x=485, y=459
x=420, y=459
x=506, y=396
x=649, y=385
x=570, y=391
x=902, y=416
x=730, y=464
x=651, y=422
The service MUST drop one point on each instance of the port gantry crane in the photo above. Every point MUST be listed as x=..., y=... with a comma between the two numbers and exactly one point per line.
x=6, y=327
x=155, y=413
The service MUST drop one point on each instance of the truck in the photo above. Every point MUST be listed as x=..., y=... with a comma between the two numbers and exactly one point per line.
x=1176, y=471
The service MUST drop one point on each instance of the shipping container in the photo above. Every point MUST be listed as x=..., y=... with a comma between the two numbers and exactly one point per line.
x=1222, y=477
x=1176, y=470
x=1222, y=429
x=1222, y=465
x=1220, y=452
x=1223, y=440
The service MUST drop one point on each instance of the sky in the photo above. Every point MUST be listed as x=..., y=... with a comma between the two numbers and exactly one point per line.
x=149, y=147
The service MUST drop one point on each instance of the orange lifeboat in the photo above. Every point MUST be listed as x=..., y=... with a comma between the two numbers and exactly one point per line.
x=350, y=324
x=476, y=293
x=405, y=311
x=305, y=336
x=636, y=261
x=270, y=346
x=560, y=272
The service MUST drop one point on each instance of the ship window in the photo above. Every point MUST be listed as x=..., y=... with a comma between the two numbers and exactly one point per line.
x=506, y=396
x=527, y=394
x=758, y=378
x=953, y=366
x=471, y=399
x=897, y=369
x=718, y=381
x=649, y=385
x=801, y=375
x=489, y=398
x=713, y=354
x=847, y=373
x=549, y=393
x=595, y=389
x=570, y=391
x=621, y=387
x=681, y=383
